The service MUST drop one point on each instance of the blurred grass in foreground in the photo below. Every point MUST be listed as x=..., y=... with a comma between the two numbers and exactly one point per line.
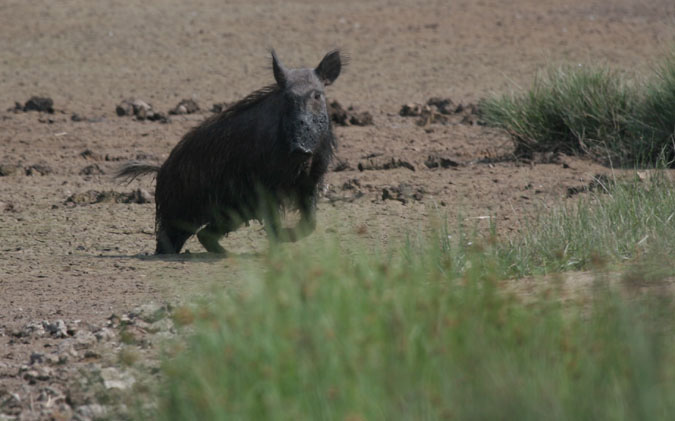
x=429, y=332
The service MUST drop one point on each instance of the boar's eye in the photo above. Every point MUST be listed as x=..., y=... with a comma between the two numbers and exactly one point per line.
x=317, y=95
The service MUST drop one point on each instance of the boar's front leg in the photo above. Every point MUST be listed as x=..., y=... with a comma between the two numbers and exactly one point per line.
x=305, y=226
x=307, y=223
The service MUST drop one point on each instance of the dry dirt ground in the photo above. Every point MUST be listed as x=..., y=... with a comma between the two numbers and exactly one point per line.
x=84, y=262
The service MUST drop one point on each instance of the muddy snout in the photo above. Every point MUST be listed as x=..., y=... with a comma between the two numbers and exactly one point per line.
x=301, y=152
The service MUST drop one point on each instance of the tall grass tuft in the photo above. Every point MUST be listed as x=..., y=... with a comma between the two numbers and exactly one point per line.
x=656, y=119
x=593, y=111
x=570, y=110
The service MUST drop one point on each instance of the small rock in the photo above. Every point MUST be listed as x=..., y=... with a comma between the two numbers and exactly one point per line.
x=92, y=411
x=53, y=359
x=76, y=117
x=58, y=329
x=116, y=379
x=186, y=106
x=150, y=312
x=84, y=339
x=163, y=325
x=31, y=329
x=37, y=358
x=105, y=334
x=34, y=375
x=140, y=109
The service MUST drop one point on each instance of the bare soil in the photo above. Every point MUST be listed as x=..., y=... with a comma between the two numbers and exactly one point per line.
x=75, y=246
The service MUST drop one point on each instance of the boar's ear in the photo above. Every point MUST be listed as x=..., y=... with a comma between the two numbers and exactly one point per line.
x=329, y=68
x=279, y=70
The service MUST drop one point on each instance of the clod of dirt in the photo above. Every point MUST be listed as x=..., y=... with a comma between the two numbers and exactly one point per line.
x=94, y=196
x=7, y=169
x=600, y=183
x=334, y=196
x=142, y=156
x=77, y=118
x=412, y=110
x=35, y=103
x=141, y=110
x=443, y=105
x=403, y=193
x=351, y=184
x=220, y=107
x=93, y=169
x=348, y=117
x=341, y=165
x=442, y=111
x=435, y=161
x=8, y=207
x=384, y=163
x=41, y=169
x=186, y=106
x=114, y=158
x=90, y=155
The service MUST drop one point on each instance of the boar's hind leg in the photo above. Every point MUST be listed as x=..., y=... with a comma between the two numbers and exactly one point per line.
x=214, y=231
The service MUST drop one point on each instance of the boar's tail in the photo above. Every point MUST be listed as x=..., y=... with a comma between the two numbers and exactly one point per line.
x=132, y=169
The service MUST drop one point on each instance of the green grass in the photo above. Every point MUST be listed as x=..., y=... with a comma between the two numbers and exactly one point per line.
x=620, y=222
x=428, y=332
x=593, y=111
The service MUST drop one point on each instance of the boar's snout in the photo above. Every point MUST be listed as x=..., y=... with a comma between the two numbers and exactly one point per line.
x=301, y=152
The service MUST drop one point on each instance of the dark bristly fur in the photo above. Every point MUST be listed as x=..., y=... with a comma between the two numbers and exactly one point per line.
x=268, y=150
